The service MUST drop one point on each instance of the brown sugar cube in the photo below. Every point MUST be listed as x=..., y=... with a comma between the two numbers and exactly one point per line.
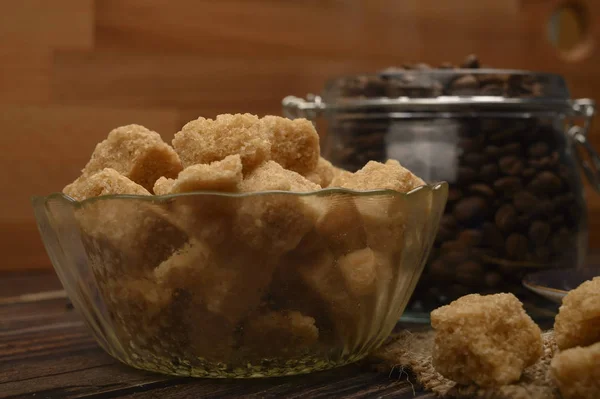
x=339, y=225
x=136, y=153
x=578, y=319
x=322, y=174
x=366, y=272
x=105, y=182
x=275, y=222
x=206, y=217
x=163, y=186
x=359, y=271
x=393, y=221
x=487, y=340
x=282, y=333
x=203, y=141
x=340, y=177
x=289, y=288
x=206, y=335
x=272, y=176
x=385, y=219
x=378, y=176
x=294, y=143
x=138, y=308
x=166, y=321
x=347, y=314
x=227, y=284
x=127, y=237
x=576, y=372
x=384, y=215
x=222, y=175
x=121, y=236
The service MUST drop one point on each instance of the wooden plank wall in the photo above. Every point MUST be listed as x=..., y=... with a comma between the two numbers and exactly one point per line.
x=74, y=69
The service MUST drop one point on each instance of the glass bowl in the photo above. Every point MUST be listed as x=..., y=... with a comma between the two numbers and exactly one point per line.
x=259, y=284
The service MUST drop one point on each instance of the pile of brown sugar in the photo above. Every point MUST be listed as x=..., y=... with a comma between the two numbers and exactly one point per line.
x=487, y=347
x=231, y=278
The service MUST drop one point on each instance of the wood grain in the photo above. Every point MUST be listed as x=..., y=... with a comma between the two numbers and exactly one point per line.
x=46, y=351
x=74, y=69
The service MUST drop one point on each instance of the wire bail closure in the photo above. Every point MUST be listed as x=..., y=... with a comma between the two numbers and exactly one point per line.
x=586, y=155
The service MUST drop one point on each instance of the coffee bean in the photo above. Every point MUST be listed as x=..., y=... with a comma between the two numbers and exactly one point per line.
x=542, y=254
x=511, y=165
x=474, y=159
x=538, y=149
x=557, y=220
x=454, y=194
x=488, y=173
x=543, y=163
x=470, y=237
x=492, y=151
x=492, y=236
x=561, y=240
x=469, y=145
x=516, y=246
x=481, y=189
x=508, y=185
x=546, y=182
x=482, y=253
x=539, y=232
x=455, y=257
x=524, y=220
x=439, y=271
x=469, y=273
x=503, y=135
x=543, y=210
x=466, y=85
x=511, y=149
x=471, y=62
x=470, y=209
x=524, y=201
x=529, y=172
x=466, y=175
x=492, y=89
x=453, y=245
x=565, y=172
x=443, y=234
x=448, y=221
x=493, y=279
x=422, y=66
x=506, y=218
x=563, y=201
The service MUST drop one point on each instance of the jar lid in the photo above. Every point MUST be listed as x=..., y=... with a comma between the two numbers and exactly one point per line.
x=439, y=90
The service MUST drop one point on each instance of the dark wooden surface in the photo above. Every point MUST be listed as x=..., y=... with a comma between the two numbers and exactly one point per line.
x=46, y=351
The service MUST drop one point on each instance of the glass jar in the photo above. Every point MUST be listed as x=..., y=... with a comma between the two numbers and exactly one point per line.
x=508, y=143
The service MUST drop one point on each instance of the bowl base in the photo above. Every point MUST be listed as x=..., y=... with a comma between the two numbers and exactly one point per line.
x=265, y=368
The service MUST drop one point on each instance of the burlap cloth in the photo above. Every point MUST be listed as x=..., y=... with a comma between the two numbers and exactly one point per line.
x=411, y=351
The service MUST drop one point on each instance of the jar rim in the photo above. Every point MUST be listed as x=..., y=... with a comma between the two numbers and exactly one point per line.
x=313, y=105
x=477, y=83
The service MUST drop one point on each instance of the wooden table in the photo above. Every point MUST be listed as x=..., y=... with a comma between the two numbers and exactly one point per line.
x=46, y=351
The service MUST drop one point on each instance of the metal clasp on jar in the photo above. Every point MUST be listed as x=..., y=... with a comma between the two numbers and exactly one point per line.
x=296, y=107
x=588, y=157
